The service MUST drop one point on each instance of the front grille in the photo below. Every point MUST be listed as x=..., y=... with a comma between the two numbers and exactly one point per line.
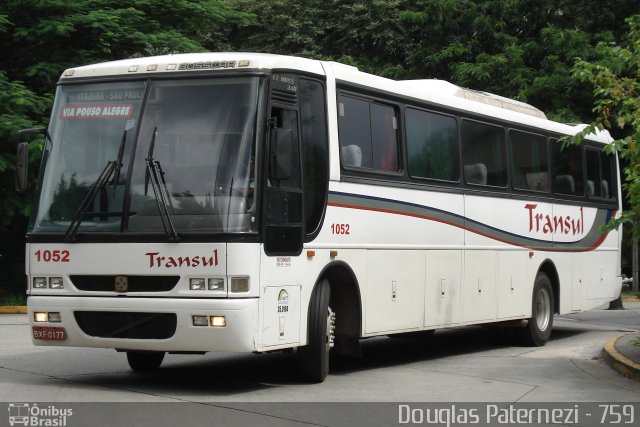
x=136, y=283
x=107, y=324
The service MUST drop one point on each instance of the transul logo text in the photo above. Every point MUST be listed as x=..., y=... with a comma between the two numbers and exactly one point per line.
x=159, y=261
x=559, y=224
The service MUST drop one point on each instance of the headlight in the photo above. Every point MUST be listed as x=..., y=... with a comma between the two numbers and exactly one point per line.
x=196, y=284
x=216, y=284
x=39, y=283
x=56, y=283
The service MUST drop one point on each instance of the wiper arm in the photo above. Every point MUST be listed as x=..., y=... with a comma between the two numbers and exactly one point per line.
x=118, y=165
x=111, y=168
x=155, y=174
x=88, y=199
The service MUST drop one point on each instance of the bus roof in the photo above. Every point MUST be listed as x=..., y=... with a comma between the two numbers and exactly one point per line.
x=430, y=90
x=207, y=61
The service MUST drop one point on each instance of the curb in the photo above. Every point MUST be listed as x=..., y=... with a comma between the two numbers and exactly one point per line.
x=631, y=299
x=13, y=309
x=619, y=362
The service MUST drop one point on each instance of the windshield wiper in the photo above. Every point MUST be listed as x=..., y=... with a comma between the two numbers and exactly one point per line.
x=155, y=174
x=88, y=199
x=111, y=168
x=118, y=166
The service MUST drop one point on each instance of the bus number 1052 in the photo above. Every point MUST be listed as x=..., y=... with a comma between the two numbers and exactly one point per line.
x=341, y=229
x=55, y=255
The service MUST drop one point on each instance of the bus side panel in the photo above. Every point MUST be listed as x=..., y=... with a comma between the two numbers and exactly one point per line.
x=395, y=290
x=514, y=286
x=479, y=300
x=443, y=288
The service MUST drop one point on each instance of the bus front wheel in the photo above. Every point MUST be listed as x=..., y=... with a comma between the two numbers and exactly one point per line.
x=313, y=359
x=538, y=329
x=145, y=361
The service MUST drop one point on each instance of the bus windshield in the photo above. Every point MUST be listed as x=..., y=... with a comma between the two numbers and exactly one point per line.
x=128, y=157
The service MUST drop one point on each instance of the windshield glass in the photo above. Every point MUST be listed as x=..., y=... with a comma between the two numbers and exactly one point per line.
x=106, y=138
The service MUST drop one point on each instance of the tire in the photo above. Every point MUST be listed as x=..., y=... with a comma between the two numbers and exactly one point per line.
x=145, y=361
x=538, y=329
x=313, y=359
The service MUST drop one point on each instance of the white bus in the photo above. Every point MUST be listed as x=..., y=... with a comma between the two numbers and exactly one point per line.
x=250, y=202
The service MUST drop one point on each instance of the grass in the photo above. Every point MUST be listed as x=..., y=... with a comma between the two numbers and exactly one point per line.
x=630, y=294
x=10, y=299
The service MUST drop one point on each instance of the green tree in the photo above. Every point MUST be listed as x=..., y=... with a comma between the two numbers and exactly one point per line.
x=521, y=49
x=615, y=76
x=365, y=33
x=40, y=39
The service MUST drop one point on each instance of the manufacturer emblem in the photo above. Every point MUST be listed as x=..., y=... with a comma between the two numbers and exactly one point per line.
x=122, y=284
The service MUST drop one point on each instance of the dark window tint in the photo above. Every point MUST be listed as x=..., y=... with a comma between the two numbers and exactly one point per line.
x=432, y=145
x=608, y=178
x=384, y=140
x=288, y=119
x=567, y=169
x=483, y=154
x=368, y=134
x=600, y=177
x=313, y=126
x=530, y=162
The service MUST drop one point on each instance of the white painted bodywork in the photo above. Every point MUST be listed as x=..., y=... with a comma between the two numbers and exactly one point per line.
x=413, y=272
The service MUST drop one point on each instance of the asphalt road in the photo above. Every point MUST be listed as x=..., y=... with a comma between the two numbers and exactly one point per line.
x=469, y=364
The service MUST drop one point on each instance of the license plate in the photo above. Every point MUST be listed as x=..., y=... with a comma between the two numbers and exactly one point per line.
x=49, y=333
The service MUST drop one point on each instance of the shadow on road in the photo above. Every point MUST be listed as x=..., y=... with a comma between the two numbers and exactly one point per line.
x=233, y=374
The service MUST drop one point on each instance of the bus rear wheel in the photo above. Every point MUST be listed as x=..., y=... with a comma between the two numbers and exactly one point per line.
x=145, y=361
x=313, y=359
x=538, y=329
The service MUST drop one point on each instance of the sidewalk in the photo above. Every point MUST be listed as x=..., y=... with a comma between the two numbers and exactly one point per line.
x=13, y=309
x=623, y=356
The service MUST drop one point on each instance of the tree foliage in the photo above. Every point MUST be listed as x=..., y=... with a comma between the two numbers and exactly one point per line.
x=41, y=38
x=615, y=76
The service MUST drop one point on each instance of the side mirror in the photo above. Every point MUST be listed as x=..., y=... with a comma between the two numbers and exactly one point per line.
x=22, y=163
x=281, y=154
x=22, y=157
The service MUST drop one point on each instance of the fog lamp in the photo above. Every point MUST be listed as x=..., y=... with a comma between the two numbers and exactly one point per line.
x=54, y=317
x=200, y=320
x=218, y=321
x=41, y=317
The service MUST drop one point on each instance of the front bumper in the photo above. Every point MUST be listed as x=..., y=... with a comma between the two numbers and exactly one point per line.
x=239, y=334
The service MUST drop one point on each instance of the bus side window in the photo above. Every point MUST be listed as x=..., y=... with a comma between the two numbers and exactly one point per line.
x=432, y=145
x=567, y=169
x=483, y=154
x=529, y=159
x=384, y=139
x=354, y=125
x=599, y=173
x=368, y=134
